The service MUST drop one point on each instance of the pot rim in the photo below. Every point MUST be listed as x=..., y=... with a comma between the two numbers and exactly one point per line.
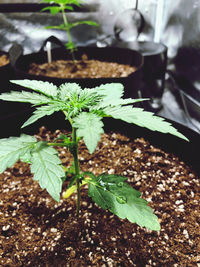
x=80, y=49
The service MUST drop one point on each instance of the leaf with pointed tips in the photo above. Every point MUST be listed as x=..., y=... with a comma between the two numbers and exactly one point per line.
x=41, y=112
x=117, y=103
x=88, y=22
x=45, y=88
x=90, y=127
x=68, y=91
x=13, y=148
x=110, y=92
x=143, y=118
x=25, y=97
x=113, y=193
x=53, y=9
x=46, y=167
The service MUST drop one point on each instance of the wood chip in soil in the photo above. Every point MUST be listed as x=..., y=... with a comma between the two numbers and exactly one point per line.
x=4, y=60
x=37, y=231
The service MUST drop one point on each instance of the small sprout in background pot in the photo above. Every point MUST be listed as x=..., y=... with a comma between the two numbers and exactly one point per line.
x=61, y=6
x=85, y=110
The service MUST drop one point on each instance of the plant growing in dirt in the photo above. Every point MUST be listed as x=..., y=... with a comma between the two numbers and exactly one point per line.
x=84, y=109
x=61, y=6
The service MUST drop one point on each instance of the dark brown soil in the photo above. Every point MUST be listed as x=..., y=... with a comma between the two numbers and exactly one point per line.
x=82, y=69
x=36, y=231
x=4, y=60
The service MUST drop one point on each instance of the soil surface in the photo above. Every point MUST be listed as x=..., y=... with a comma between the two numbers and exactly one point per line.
x=4, y=60
x=82, y=69
x=37, y=231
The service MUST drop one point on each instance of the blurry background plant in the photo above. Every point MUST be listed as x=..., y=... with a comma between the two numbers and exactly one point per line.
x=61, y=6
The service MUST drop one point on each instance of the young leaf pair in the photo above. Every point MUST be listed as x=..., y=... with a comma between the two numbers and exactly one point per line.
x=85, y=110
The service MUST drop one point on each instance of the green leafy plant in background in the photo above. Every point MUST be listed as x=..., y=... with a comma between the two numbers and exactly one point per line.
x=84, y=109
x=61, y=6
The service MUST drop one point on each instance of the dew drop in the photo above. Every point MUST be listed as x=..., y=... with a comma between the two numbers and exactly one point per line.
x=121, y=199
x=120, y=184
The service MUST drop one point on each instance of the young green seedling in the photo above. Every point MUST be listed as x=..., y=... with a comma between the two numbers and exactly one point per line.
x=61, y=6
x=84, y=109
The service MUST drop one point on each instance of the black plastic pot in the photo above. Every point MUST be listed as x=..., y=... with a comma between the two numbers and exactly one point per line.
x=186, y=77
x=187, y=95
x=153, y=71
x=109, y=54
x=155, y=64
x=186, y=151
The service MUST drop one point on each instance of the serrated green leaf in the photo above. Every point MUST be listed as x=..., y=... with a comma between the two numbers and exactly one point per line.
x=46, y=88
x=53, y=9
x=25, y=97
x=77, y=99
x=67, y=7
x=127, y=101
x=90, y=127
x=41, y=112
x=26, y=157
x=117, y=103
x=69, y=91
x=109, y=93
x=87, y=22
x=13, y=148
x=143, y=118
x=113, y=193
x=63, y=2
x=88, y=98
x=74, y=2
x=58, y=27
x=46, y=167
x=53, y=27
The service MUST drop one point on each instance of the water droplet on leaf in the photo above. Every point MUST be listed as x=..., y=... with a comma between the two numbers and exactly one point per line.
x=120, y=184
x=121, y=199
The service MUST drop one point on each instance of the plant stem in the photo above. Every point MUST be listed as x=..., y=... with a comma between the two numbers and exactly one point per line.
x=68, y=33
x=56, y=144
x=77, y=169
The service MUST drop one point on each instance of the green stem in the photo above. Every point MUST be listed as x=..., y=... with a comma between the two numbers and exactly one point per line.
x=76, y=163
x=77, y=169
x=66, y=115
x=68, y=33
x=56, y=144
